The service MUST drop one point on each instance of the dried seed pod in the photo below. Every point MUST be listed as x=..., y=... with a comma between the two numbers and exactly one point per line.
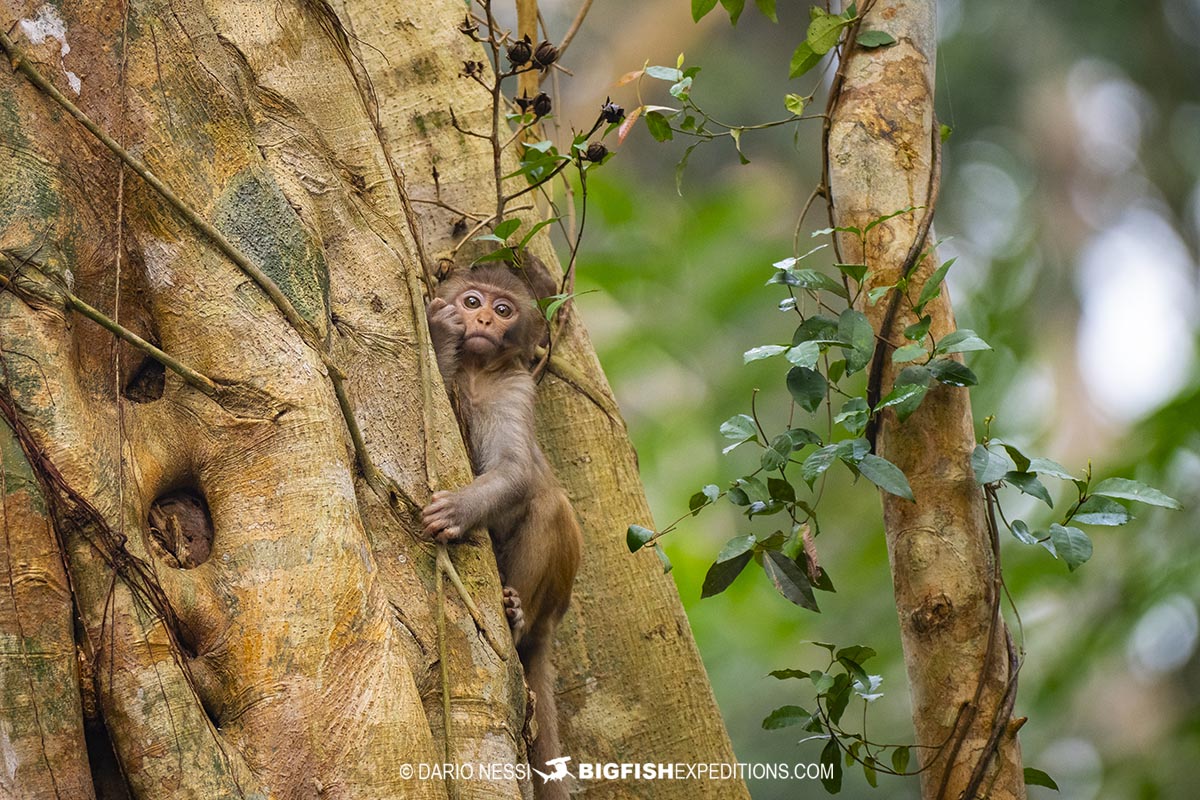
x=541, y=105
x=520, y=51
x=596, y=151
x=611, y=112
x=545, y=55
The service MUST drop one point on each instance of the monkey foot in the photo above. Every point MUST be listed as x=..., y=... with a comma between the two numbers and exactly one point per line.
x=514, y=612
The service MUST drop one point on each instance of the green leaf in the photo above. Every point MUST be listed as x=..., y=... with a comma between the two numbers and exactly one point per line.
x=789, y=579
x=761, y=352
x=804, y=59
x=794, y=103
x=734, y=7
x=886, y=476
x=1072, y=545
x=885, y=217
x=736, y=135
x=1018, y=457
x=855, y=271
x=961, y=341
x=1029, y=484
x=900, y=757
x=877, y=292
x=817, y=462
x=831, y=767
x=909, y=352
x=740, y=427
x=801, y=437
x=856, y=332
x=1125, y=489
x=873, y=39
x=776, y=456
x=824, y=32
x=532, y=231
x=952, y=373
x=662, y=556
x=989, y=467
x=917, y=331
x=944, y=132
x=784, y=674
x=702, y=7
x=852, y=451
x=1098, y=510
x=503, y=254
x=1021, y=531
x=817, y=328
x=804, y=354
x=1045, y=466
x=659, y=127
x=933, y=286
x=1035, y=777
x=506, y=228
x=857, y=653
x=807, y=387
x=681, y=166
x=781, y=490
x=767, y=7
x=853, y=416
x=785, y=716
x=637, y=536
x=819, y=281
x=723, y=573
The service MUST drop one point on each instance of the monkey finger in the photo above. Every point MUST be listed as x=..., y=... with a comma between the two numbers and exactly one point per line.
x=450, y=534
x=435, y=305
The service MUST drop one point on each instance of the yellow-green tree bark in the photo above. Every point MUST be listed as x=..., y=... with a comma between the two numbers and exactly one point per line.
x=882, y=155
x=300, y=657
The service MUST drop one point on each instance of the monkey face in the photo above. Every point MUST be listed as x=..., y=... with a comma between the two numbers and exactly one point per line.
x=488, y=317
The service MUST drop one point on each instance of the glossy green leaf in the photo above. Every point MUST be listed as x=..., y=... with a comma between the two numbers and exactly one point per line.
x=909, y=352
x=1028, y=483
x=1125, y=489
x=824, y=31
x=1045, y=466
x=1035, y=777
x=804, y=354
x=807, y=387
x=1020, y=530
x=961, y=341
x=1099, y=510
x=659, y=127
x=723, y=573
x=989, y=467
x=785, y=716
x=637, y=536
x=952, y=373
x=767, y=7
x=803, y=59
x=933, y=286
x=873, y=39
x=762, y=351
x=886, y=476
x=789, y=579
x=1072, y=545
x=858, y=335
x=853, y=416
x=734, y=7
x=794, y=103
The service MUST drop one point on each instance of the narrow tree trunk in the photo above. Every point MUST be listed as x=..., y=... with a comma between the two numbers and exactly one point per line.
x=291, y=649
x=882, y=158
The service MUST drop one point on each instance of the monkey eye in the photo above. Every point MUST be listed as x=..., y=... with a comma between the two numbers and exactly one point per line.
x=503, y=309
x=472, y=301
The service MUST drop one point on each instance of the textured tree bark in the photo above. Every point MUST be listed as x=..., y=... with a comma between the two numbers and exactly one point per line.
x=881, y=155
x=294, y=652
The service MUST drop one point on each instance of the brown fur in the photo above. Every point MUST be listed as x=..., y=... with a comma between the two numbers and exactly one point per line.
x=535, y=536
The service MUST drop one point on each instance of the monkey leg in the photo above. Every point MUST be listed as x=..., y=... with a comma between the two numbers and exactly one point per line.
x=514, y=612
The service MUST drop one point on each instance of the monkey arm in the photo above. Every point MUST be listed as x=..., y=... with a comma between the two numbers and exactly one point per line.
x=446, y=329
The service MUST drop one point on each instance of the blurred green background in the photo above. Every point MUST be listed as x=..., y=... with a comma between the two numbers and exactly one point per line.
x=1071, y=191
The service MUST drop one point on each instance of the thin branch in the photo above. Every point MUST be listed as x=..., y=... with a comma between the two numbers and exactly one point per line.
x=576, y=24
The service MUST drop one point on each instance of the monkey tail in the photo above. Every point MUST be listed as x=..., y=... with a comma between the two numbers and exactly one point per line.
x=540, y=674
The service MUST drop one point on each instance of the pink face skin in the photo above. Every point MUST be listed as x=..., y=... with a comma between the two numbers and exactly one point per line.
x=487, y=316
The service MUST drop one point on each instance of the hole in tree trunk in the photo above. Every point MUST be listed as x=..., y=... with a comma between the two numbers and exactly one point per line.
x=181, y=525
x=147, y=382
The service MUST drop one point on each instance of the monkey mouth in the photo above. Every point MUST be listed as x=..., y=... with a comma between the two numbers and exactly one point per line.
x=474, y=341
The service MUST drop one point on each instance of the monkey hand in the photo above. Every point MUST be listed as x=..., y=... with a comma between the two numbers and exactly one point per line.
x=442, y=518
x=445, y=321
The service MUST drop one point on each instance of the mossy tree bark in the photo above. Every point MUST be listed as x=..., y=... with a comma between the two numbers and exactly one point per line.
x=882, y=156
x=278, y=636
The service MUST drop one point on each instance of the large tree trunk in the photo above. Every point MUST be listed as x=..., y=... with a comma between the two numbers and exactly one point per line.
x=882, y=158
x=298, y=655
